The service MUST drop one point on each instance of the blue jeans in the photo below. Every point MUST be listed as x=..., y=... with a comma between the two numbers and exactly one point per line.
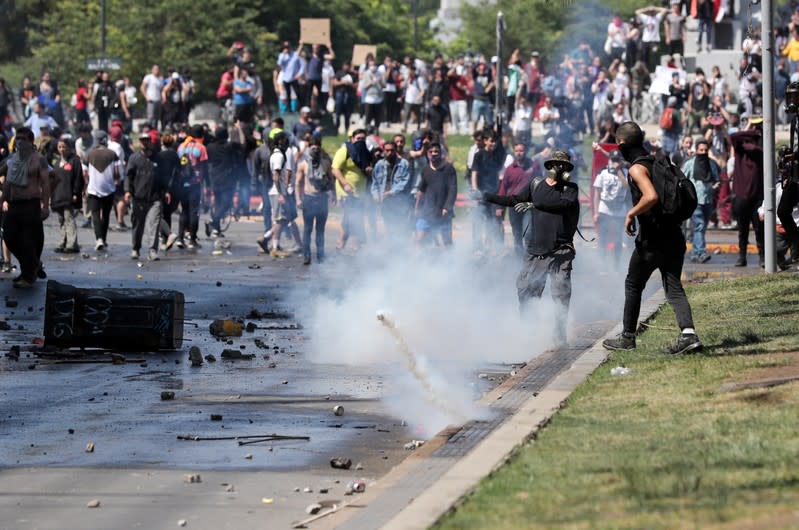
x=705, y=25
x=314, y=211
x=699, y=221
x=481, y=107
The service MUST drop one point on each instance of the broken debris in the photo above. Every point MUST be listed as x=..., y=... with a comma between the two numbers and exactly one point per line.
x=236, y=355
x=338, y=410
x=94, y=503
x=192, y=478
x=413, y=445
x=195, y=356
x=167, y=395
x=90, y=447
x=225, y=328
x=340, y=463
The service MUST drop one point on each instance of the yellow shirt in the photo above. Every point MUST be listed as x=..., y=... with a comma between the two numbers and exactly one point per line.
x=791, y=50
x=352, y=173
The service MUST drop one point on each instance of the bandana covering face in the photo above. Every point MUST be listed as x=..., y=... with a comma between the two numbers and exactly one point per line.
x=18, y=165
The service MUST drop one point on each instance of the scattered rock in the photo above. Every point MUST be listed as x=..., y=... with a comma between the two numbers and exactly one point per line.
x=71, y=431
x=313, y=509
x=210, y=358
x=296, y=489
x=237, y=355
x=261, y=344
x=94, y=503
x=195, y=356
x=619, y=370
x=90, y=447
x=307, y=490
x=182, y=522
x=266, y=500
x=248, y=456
x=323, y=490
x=338, y=410
x=251, y=327
x=340, y=463
x=272, y=365
x=216, y=417
x=285, y=382
x=192, y=478
x=225, y=328
x=11, y=303
x=254, y=266
x=4, y=326
x=413, y=445
x=32, y=366
x=229, y=488
x=348, y=490
x=167, y=395
x=359, y=486
x=218, y=283
x=358, y=466
x=13, y=353
x=118, y=358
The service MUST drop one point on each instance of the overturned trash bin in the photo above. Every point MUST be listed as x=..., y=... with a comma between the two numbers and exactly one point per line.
x=120, y=319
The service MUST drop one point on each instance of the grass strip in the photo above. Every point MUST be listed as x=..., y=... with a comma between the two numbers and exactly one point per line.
x=666, y=446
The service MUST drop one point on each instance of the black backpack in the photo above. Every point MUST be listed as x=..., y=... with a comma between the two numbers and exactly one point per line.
x=676, y=191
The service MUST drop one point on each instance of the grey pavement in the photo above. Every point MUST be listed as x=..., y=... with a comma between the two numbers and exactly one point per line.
x=137, y=467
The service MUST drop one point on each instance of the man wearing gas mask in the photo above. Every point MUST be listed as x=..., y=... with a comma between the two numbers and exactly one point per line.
x=555, y=209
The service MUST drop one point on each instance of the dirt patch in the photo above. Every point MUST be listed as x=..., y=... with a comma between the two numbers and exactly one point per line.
x=783, y=369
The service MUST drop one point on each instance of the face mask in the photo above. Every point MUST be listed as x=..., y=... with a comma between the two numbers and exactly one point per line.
x=316, y=154
x=627, y=152
x=703, y=157
x=435, y=159
x=559, y=174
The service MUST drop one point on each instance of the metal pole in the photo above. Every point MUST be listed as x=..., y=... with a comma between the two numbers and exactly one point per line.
x=499, y=80
x=415, y=10
x=102, y=29
x=769, y=209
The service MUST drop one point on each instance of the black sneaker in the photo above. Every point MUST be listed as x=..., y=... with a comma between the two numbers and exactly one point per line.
x=623, y=341
x=207, y=229
x=40, y=273
x=306, y=260
x=685, y=343
x=264, y=244
x=741, y=262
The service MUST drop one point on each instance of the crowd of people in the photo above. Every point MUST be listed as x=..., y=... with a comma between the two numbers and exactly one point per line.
x=548, y=104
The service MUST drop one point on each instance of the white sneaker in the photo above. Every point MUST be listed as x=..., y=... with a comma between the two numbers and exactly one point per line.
x=134, y=254
x=170, y=240
x=99, y=244
x=153, y=256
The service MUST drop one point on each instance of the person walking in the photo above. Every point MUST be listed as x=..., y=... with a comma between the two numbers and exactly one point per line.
x=25, y=205
x=659, y=245
x=314, y=182
x=66, y=185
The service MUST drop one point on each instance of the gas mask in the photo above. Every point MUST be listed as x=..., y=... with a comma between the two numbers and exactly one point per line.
x=559, y=173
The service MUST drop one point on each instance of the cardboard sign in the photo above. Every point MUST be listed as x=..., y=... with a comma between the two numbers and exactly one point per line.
x=360, y=51
x=315, y=30
x=662, y=79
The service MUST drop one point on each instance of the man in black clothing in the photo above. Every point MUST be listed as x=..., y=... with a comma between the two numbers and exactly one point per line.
x=435, y=202
x=550, y=247
x=485, y=178
x=147, y=191
x=437, y=116
x=221, y=161
x=660, y=244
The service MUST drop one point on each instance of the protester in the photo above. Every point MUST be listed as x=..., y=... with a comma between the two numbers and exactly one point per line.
x=25, y=205
x=705, y=174
x=611, y=203
x=659, y=245
x=66, y=185
x=314, y=183
x=435, y=201
x=555, y=209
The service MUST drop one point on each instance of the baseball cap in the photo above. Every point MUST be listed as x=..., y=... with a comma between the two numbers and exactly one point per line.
x=305, y=110
x=145, y=136
x=175, y=75
x=494, y=59
x=535, y=54
x=756, y=119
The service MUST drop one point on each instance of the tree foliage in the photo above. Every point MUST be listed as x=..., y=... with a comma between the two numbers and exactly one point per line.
x=187, y=34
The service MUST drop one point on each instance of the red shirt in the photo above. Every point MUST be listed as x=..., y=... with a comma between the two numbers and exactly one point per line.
x=458, y=88
x=81, y=99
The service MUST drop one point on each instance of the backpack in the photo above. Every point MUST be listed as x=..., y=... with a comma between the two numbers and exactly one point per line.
x=667, y=119
x=676, y=192
x=320, y=177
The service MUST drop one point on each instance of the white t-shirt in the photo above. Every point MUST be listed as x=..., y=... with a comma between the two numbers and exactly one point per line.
x=413, y=92
x=651, y=27
x=152, y=88
x=523, y=118
x=618, y=35
x=548, y=118
x=278, y=162
x=614, y=197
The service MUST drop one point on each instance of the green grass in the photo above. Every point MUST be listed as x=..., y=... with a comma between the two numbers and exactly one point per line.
x=665, y=447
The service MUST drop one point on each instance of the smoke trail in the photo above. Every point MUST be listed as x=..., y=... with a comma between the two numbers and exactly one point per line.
x=433, y=397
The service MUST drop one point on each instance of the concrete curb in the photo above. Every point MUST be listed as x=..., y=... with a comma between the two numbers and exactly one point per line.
x=495, y=450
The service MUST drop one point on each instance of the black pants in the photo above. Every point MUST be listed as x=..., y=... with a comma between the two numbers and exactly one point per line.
x=138, y=217
x=190, y=211
x=668, y=258
x=101, y=207
x=223, y=202
x=530, y=283
x=23, y=233
x=789, y=199
x=314, y=212
x=745, y=212
x=373, y=111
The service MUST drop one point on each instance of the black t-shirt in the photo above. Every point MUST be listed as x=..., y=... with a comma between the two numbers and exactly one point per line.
x=437, y=115
x=440, y=187
x=221, y=160
x=167, y=169
x=488, y=165
x=346, y=90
